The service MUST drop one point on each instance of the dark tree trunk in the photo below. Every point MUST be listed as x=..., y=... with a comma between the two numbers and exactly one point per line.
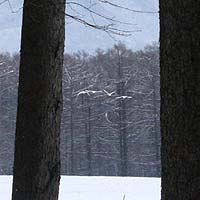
x=89, y=142
x=156, y=126
x=122, y=121
x=88, y=134
x=180, y=99
x=72, y=130
x=86, y=113
x=37, y=157
x=123, y=138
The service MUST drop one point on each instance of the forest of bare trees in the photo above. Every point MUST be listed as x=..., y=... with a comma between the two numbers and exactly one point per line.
x=110, y=123
x=111, y=103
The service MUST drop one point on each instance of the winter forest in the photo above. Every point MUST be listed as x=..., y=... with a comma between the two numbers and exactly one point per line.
x=110, y=121
x=101, y=100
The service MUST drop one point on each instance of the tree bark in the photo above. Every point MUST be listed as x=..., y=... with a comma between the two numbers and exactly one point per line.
x=180, y=98
x=37, y=156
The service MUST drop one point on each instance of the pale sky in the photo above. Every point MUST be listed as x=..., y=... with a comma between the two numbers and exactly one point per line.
x=79, y=37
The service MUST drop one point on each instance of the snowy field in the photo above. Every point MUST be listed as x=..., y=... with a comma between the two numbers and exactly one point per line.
x=98, y=188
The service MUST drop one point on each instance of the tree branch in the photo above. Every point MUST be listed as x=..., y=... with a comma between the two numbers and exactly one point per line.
x=128, y=9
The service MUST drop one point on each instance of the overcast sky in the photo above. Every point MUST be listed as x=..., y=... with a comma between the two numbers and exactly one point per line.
x=79, y=37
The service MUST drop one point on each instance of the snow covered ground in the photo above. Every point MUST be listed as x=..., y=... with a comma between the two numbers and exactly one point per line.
x=98, y=188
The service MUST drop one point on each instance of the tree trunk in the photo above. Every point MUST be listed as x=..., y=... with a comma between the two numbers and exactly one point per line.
x=180, y=99
x=71, y=130
x=122, y=118
x=123, y=135
x=87, y=123
x=37, y=157
x=156, y=125
x=88, y=140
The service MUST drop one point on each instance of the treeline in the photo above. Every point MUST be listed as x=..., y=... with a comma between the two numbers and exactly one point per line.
x=110, y=123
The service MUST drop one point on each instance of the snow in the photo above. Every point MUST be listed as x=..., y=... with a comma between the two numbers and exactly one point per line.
x=98, y=188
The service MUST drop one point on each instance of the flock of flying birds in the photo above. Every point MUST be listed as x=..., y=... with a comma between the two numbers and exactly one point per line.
x=109, y=94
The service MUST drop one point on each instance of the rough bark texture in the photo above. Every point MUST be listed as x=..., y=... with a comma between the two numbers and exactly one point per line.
x=37, y=157
x=180, y=99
